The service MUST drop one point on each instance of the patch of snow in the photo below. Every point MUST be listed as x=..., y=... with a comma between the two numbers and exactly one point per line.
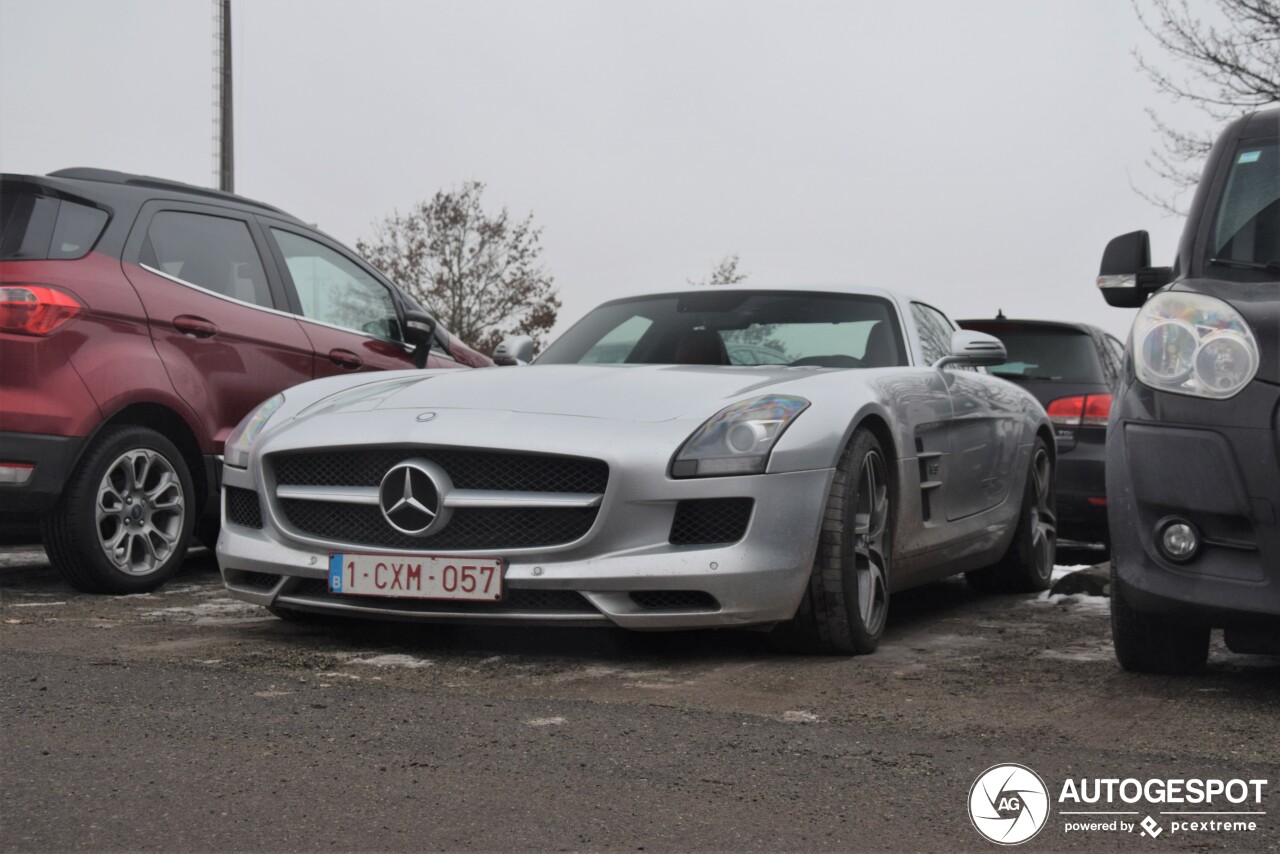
x=391, y=660
x=36, y=604
x=1092, y=604
x=546, y=721
x=797, y=717
x=216, y=608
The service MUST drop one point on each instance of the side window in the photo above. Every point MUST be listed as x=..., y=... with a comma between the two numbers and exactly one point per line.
x=334, y=289
x=934, y=330
x=212, y=252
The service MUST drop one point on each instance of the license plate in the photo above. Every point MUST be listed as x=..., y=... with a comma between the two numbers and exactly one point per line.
x=416, y=577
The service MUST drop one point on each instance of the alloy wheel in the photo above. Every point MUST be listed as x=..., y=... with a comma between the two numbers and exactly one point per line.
x=140, y=511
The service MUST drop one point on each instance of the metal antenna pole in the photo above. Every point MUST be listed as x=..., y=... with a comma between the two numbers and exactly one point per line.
x=226, y=137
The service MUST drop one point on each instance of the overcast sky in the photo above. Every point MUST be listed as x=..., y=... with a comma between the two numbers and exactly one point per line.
x=978, y=154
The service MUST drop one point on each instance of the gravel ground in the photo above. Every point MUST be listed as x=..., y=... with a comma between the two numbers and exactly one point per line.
x=184, y=720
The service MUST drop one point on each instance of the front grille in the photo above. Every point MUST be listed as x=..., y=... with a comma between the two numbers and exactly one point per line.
x=516, y=599
x=243, y=508
x=675, y=600
x=467, y=469
x=469, y=528
x=710, y=521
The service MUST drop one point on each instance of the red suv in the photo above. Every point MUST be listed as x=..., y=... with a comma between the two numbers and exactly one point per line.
x=140, y=320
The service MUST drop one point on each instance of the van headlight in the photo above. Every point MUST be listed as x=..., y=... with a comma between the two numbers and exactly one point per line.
x=240, y=441
x=738, y=438
x=1193, y=344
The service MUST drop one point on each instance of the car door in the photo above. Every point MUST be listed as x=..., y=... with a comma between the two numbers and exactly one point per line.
x=215, y=310
x=353, y=320
x=982, y=432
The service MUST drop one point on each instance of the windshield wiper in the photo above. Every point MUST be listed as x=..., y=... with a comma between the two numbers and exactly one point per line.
x=1269, y=266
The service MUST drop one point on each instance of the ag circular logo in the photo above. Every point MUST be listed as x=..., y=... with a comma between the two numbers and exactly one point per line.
x=411, y=497
x=1009, y=804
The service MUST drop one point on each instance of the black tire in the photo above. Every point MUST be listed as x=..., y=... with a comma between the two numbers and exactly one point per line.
x=846, y=603
x=1152, y=643
x=207, y=530
x=124, y=520
x=1027, y=565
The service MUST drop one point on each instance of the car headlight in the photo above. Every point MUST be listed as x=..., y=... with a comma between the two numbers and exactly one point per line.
x=238, y=444
x=1193, y=344
x=738, y=438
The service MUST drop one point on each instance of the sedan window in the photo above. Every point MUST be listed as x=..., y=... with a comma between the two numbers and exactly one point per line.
x=1048, y=353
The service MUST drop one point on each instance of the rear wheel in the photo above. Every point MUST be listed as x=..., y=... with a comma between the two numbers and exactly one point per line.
x=124, y=522
x=1152, y=643
x=846, y=603
x=1027, y=566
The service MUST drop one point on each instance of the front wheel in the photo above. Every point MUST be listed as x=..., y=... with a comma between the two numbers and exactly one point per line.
x=1152, y=643
x=1027, y=566
x=124, y=521
x=846, y=603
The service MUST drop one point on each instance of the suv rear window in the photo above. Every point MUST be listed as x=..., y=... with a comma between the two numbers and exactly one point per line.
x=36, y=227
x=1045, y=353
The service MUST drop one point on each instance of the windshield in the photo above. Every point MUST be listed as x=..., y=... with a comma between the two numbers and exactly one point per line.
x=723, y=327
x=1246, y=231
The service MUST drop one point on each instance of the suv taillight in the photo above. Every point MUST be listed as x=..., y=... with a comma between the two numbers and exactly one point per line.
x=1091, y=410
x=35, y=309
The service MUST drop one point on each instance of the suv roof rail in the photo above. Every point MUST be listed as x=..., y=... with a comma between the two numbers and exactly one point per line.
x=110, y=176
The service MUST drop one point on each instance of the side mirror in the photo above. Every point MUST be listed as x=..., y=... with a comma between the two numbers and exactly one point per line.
x=1126, y=276
x=974, y=348
x=420, y=331
x=516, y=350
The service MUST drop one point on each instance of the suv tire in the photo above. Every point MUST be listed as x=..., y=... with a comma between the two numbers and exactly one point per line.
x=1152, y=643
x=125, y=519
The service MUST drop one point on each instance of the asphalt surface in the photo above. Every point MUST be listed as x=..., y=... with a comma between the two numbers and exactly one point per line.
x=185, y=721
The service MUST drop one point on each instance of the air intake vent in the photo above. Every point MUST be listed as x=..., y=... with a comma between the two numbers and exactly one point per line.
x=675, y=600
x=712, y=521
x=243, y=508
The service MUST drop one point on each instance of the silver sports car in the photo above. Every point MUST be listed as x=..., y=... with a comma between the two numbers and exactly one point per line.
x=635, y=475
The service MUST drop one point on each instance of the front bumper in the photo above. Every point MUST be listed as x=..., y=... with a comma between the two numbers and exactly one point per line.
x=53, y=457
x=1178, y=458
x=758, y=579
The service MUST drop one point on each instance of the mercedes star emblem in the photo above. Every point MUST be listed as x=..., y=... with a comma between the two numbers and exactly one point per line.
x=411, y=497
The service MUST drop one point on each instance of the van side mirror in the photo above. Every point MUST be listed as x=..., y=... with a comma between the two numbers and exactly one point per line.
x=516, y=350
x=420, y=331
x=1126, y=277
x=969, y=347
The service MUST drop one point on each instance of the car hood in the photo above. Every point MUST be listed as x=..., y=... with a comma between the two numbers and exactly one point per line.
x=633, y=393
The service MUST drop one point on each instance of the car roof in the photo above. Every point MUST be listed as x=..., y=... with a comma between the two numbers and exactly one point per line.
x=824, y=287
x=1008, y=322
x=107, y=184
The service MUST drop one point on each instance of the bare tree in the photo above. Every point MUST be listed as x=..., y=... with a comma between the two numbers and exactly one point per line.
x=724, y=273
x=477, y=274
x=1227, y=70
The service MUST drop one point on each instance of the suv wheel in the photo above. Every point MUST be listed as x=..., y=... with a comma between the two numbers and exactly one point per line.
x=1152, y=643
x=125, y=520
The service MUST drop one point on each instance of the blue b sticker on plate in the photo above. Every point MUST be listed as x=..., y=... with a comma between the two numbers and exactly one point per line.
x=335, y=573
x=1249, y=156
